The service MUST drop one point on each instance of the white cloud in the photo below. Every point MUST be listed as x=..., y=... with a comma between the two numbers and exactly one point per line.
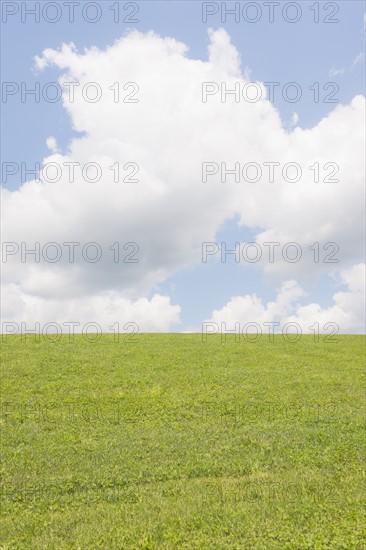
x=105, y=309
x=170, y=212
x=52, y=144
x=348, y=311
x=295, y=119
x=336, y=72
x=250, y=308
x=358, y=59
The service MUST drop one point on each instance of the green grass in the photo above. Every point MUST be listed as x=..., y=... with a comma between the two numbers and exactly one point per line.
x=171, y=442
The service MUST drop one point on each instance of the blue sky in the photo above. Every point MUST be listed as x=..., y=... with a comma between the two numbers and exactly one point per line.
x=304, y=52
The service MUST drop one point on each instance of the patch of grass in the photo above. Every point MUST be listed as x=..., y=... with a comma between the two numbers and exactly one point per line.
x=172, y=442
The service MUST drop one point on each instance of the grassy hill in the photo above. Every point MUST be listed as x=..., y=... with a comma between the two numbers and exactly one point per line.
x=171, y=442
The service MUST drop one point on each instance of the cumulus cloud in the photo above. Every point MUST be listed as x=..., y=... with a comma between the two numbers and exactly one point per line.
x=106, y=310
x=347, y=312
x=168, y=134
x=251, y=309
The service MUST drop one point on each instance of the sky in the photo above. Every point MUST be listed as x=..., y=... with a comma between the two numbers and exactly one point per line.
x=228, y=122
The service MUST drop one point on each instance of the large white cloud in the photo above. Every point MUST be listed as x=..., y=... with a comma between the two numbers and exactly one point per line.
x=347, y=312
x=170, y=212
x=106, y=310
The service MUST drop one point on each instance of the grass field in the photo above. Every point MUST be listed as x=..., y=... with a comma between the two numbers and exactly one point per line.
x=172, y=442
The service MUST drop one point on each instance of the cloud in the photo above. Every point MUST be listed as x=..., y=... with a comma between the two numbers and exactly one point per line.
x=295, y=119
x=106, y=309
x=250, y=308
x=336, y=72
x=333, y=72
x=358, y=59
x=52, y=144
x=348, y=310
x=169, y=212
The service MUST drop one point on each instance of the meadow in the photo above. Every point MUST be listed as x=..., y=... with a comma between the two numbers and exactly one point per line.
x=171, y=442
